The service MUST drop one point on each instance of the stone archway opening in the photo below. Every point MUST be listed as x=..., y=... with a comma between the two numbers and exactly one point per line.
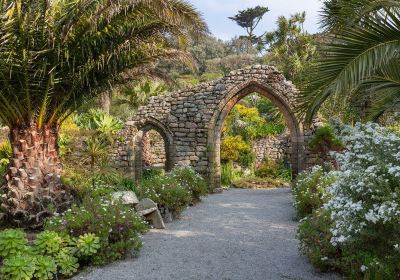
x=296, y=138
x=255, y=141
x=153, y=150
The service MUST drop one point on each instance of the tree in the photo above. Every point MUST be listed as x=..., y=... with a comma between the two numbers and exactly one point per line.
x=55, y=56
x=361, y=57
x=249, y=19
x=290, y=48
x=137, y=95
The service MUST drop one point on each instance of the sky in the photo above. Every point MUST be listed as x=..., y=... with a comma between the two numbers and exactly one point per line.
x=216, y=13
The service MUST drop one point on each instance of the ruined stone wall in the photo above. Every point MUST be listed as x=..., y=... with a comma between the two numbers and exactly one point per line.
x=191, y=119
x=274, y=148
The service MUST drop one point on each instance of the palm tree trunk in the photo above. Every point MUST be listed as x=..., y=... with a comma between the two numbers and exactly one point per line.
x=33, y=188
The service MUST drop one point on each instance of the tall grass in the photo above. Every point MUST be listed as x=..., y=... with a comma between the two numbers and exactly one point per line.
x=229, y=174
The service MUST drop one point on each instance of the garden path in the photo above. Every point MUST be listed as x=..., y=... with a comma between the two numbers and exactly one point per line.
x=237, y=235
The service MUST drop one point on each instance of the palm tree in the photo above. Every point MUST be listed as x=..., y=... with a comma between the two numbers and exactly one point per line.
x=362, y=55
x=137, y=95
x=54, y=56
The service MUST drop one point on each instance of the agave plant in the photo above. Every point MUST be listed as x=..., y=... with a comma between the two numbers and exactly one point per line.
x=361, y=56
x=54, y=56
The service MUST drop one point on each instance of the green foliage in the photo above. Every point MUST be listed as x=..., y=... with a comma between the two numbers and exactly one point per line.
x=48, y=243
x=98, y=120
x=290, y=48
x=310, y=190
x=18, y=267
x=116, y=225
x=190, y=180
x=138, y=94
x=315, y=240
x=88, y=244
x=324, y=141
x=68, y=264
x=152, y=172
x=167, y=192
x=48, y=256
x=359, y=62
x=232, y=147
x=46, y=268
x=274, y=170
x=12, y=242
x=53, y=63
x=229, y=174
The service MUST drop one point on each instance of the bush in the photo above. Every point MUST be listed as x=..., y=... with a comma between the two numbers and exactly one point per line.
x=323, y=142
x=232, y=147
x=229, y=174
x=310, y=190
x=364, y=203
x=167, y=192
x=192, y=181
x=274, y=170
x=315, y=240
x=49, y=256
x=116, y=225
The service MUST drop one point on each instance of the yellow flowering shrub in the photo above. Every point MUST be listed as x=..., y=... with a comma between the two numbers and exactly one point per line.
x=232, y=147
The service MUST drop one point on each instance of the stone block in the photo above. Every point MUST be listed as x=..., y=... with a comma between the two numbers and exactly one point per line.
x=127, y=197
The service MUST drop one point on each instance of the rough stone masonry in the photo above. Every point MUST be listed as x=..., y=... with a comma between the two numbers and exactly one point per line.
x=190, y=122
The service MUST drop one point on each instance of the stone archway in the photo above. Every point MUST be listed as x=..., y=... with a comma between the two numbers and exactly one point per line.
x=191, y=120
x=225, y=107
x=148, y=125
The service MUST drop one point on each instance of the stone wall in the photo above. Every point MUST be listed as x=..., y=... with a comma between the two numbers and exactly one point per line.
x=274, y=148
x=190, y=121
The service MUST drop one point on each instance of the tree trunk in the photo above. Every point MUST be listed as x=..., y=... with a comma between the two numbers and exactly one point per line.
x=33, y=189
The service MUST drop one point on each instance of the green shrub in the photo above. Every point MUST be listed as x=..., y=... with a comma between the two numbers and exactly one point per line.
x=12, y=242
x=88, y=244
x=167, y=192
x=310, y=190
x=46, y=268
x=117, y=226
x=274, y=170
x=48, y=242
x=323, y=142
x=18, y=267
x=190, y=180
x=315, y=240
x=229, y=174
x=67, y=264
x=49, y=255
x=150, y=173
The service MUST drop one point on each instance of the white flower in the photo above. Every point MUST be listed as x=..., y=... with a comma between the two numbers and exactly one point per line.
x=363, y=268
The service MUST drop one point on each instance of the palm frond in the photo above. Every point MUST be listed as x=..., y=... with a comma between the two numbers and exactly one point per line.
x=352, y=57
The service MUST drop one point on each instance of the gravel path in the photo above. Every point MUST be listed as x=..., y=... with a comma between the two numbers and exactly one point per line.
x=237, y=235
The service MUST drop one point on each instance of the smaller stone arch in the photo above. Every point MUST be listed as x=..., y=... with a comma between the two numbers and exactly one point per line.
x=142, y=128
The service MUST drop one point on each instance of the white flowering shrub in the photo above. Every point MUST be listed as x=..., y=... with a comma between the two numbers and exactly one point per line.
x=365, y=201
x=364, y=204
x=310, y=190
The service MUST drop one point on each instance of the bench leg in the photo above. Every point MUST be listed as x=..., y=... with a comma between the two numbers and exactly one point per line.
x=156, y=220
